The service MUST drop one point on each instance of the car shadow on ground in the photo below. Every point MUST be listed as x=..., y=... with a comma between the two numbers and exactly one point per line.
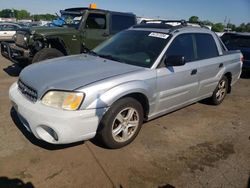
x=97, y=141
x=5, y=182
x=166, y=186
x=13, y=70
x=245, y=75
x=248, y=183
x=36, y=141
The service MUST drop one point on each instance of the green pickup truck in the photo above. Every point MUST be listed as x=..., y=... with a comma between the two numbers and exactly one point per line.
x=82, y=30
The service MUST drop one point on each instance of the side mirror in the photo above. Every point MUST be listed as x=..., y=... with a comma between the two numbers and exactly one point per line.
x=174, y=60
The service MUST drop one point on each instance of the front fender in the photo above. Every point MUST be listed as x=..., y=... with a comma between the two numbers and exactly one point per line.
x=58, y=42
x=109, y=97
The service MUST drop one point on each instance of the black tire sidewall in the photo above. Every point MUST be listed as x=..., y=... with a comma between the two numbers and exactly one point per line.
x=105, y=128
x=46, y=53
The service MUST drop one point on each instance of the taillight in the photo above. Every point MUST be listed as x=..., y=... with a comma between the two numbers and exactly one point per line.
x=242, y=58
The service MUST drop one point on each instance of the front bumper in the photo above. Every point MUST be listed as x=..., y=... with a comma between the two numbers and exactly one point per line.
x=14, y=53
x=53, y=125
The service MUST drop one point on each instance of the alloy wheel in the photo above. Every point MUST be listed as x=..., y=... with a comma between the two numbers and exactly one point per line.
x=125, y=124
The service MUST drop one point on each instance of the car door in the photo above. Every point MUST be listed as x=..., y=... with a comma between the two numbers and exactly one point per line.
x=96, y=29
x=4, y=32
x=210, y=64
x=178, y=86
x=7, y=32
x=1, y=33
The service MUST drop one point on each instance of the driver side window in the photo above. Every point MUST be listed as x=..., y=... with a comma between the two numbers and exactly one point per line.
x=9, y=27
x=96, y=21
x=182, y=45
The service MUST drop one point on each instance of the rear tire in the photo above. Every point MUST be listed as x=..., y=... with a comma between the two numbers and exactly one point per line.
x=220, y=92
x=46, y=53
x=121, y=123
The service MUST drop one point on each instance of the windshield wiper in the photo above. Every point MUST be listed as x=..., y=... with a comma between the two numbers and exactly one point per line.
x=110, y=57
x=91, y=52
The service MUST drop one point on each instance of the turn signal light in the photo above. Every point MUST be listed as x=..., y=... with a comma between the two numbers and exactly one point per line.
x=242, y=58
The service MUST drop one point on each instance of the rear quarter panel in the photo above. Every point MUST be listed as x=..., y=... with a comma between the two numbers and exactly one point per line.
x=233, y=64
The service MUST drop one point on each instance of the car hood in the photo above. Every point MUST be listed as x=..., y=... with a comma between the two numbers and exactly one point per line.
x=49, y=30
x=72, y=72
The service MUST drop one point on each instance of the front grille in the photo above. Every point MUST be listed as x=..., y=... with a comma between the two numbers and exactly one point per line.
x=27, y=91
x=20, y=39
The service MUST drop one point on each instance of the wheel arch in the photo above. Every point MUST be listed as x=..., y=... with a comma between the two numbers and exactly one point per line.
x=142, y=99
x=58, y=43
x=228, y=75
x=135, y=89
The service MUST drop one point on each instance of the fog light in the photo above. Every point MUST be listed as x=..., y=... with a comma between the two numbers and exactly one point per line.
x=47, y=134
x=14, y=38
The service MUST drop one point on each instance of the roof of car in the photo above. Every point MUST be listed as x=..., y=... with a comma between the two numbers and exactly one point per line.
x=165, y=27
x=82, y=9
x=154, y=25
x=10, y=23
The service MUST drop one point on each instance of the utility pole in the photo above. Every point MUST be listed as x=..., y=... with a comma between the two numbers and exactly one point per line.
x=225, y=21
x=13, y=13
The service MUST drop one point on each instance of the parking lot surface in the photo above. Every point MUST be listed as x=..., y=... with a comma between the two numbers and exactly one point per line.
x=198, y=146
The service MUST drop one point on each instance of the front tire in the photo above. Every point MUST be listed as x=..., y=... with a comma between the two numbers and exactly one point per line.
x=220, y=92
x=46, y=53
x=121, y=124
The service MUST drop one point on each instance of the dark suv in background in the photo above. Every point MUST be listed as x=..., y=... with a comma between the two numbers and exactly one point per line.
x=82, y=30
x=239, y=41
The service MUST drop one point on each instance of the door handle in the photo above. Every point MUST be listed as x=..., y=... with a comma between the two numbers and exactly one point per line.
x=221, y=65
x=193, y=72
x=4, y=33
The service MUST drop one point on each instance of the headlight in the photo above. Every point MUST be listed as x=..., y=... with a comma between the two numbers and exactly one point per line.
x=14, y=38
x=63, y=100
x=26, y=37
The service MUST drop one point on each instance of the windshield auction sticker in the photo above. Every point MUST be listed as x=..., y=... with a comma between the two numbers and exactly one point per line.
x=159, y=35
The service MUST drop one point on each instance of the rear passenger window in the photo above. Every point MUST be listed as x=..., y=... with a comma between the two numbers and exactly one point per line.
x=182, y=46
x=96, y=21
x=121, y=22
x=206, y=46
x=8, y=27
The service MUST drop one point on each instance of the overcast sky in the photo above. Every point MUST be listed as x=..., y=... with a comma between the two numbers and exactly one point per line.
x=237, y=11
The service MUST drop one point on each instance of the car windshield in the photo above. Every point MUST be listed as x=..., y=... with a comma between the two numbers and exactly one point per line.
x=139, y=48
x=68, y=20
x=236, y=41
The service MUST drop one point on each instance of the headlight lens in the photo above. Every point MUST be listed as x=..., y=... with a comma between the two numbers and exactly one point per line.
x=26, y=38
x=14, y=38
x=63, y=100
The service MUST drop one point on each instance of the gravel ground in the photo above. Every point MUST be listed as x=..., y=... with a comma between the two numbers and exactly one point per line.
x=198, y=146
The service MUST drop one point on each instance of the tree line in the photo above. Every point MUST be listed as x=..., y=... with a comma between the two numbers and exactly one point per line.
x=217, y=27
x=24, y=14
x=220, y=27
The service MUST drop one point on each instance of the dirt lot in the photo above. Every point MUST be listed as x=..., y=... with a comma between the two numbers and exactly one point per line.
x=198, y=146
